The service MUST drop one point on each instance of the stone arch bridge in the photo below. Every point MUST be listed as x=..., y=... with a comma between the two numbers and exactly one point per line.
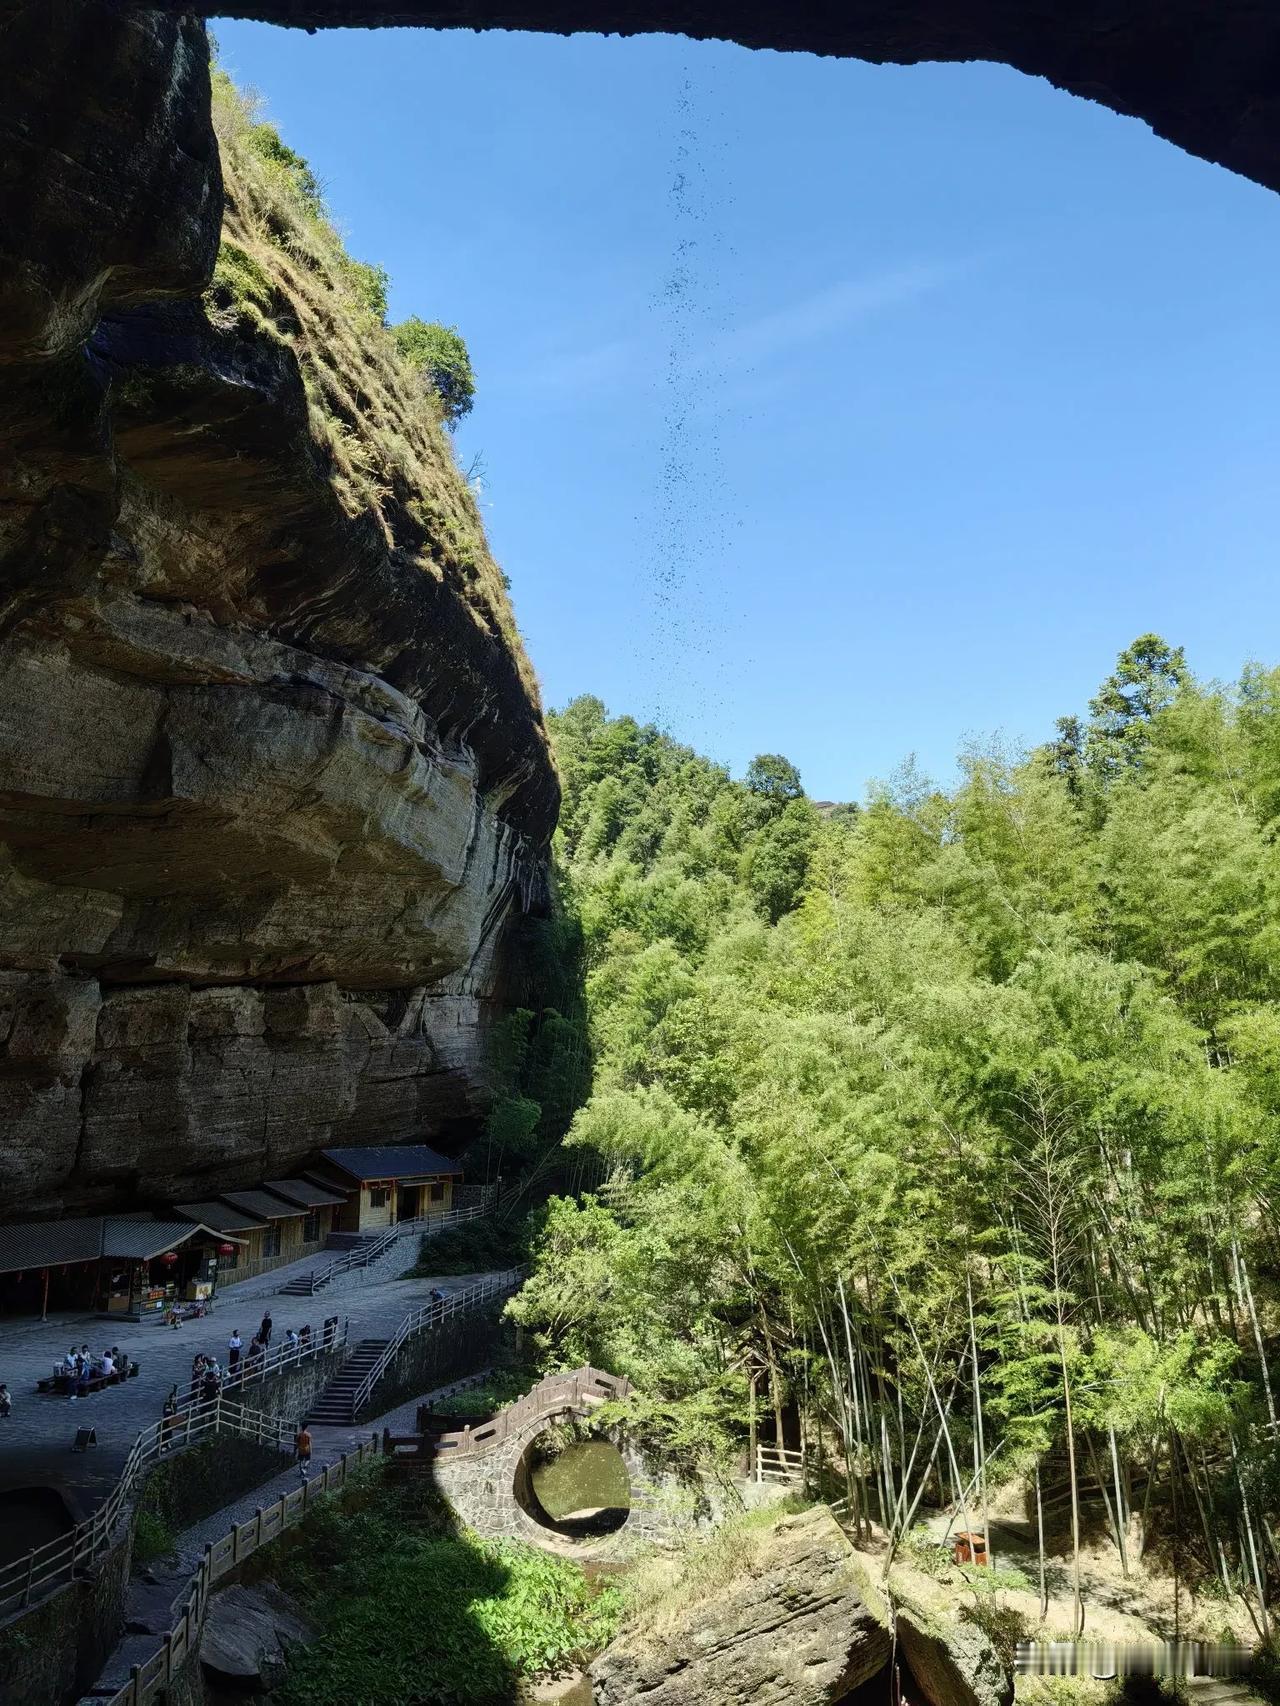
x=485, y=1471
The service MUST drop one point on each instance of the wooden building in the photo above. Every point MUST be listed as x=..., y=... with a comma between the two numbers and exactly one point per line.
x=120, y=1265
x=320, y=1203
x=388, y=1183
x=277, y=1223
x=244, y=1233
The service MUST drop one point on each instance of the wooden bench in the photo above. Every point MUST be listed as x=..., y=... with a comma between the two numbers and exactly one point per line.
x=68, y=1383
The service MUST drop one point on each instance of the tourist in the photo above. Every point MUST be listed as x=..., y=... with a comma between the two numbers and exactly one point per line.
x=106, y=1366
x=210, y=1386
x=6, y=1402
x=69, y=1362
x=291, y=1340
x=233, y=1351
x=168, y=1417
x=302, y=1450
x=304, y=1337
x=264, y=1332
x=330, y=1330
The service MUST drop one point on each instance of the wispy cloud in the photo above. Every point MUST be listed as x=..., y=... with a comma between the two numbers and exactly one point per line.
x=830, y=310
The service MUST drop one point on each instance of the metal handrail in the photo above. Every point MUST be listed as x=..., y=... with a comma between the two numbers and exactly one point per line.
x=363, y=1255
x=45, y=1567
x=431, y=1315
x=251, y=1369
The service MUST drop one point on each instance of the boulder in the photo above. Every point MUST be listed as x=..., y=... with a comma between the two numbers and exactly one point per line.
x=248, y=1632
x=954, y=1663
x=790, y=1630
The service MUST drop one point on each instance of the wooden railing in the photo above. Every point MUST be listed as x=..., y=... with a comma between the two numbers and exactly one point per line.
x=776, y=1463
x=364, y=1255
x=577, y=1391
x=147, y=1681
x=52, y=1565
x=431, y=1315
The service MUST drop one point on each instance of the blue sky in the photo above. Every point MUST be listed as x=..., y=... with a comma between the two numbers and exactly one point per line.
x=839, y=410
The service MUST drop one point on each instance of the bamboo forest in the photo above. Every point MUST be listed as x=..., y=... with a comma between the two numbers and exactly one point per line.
x=942, y=1129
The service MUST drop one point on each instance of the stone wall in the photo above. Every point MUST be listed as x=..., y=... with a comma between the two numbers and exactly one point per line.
x=491, y=1492
x=461, y=1344
x=291, y=1393
x=57, y=1650
x=485, y=1472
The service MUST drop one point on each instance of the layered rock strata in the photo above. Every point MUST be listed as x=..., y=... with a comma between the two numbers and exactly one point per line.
x=274, y=785
x=789, y=1629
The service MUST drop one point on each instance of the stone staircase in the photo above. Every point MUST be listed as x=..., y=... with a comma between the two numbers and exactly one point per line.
x=362, y=1254
x=1221, y=1691
x=335, y=1407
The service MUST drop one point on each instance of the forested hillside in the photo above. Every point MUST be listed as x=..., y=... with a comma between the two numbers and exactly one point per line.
x=952, y=1119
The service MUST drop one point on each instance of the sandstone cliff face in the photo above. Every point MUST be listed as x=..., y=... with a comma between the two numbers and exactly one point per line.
x=790, y=1630
x=274, y=783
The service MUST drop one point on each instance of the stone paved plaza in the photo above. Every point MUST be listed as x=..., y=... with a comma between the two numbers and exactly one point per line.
x=35, y=1441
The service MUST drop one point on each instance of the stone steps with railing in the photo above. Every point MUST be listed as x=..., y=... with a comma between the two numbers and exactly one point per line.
x=335, y=1407
x=376, y=1252
x=345, y=1397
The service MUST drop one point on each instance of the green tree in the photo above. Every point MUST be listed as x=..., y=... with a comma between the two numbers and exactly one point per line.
x=1145, y=680
x=439, y=354
x=774, y=779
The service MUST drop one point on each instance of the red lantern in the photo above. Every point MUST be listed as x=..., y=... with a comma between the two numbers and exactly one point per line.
x=226, y=1249
x=169, y=1258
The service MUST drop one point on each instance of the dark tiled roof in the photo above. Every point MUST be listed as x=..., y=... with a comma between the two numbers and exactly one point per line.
x=391, y=1161
x=139, y=1240
x=263, y=1204
x=41, y=1243
x=304, y=1191
x=47, y=1243
x=220, y=1215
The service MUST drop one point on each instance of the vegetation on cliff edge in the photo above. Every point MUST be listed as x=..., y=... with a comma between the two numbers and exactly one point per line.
x=374, y=404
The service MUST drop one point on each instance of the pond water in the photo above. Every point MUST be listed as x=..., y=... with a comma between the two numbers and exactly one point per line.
x=587, y=1476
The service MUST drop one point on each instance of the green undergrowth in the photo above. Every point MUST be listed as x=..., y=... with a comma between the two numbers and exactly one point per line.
x=502, y=1387
x=475, y=1247
x=411, y=1608
x=660, y=1589
x=153, y=1537
x=936, y=1560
